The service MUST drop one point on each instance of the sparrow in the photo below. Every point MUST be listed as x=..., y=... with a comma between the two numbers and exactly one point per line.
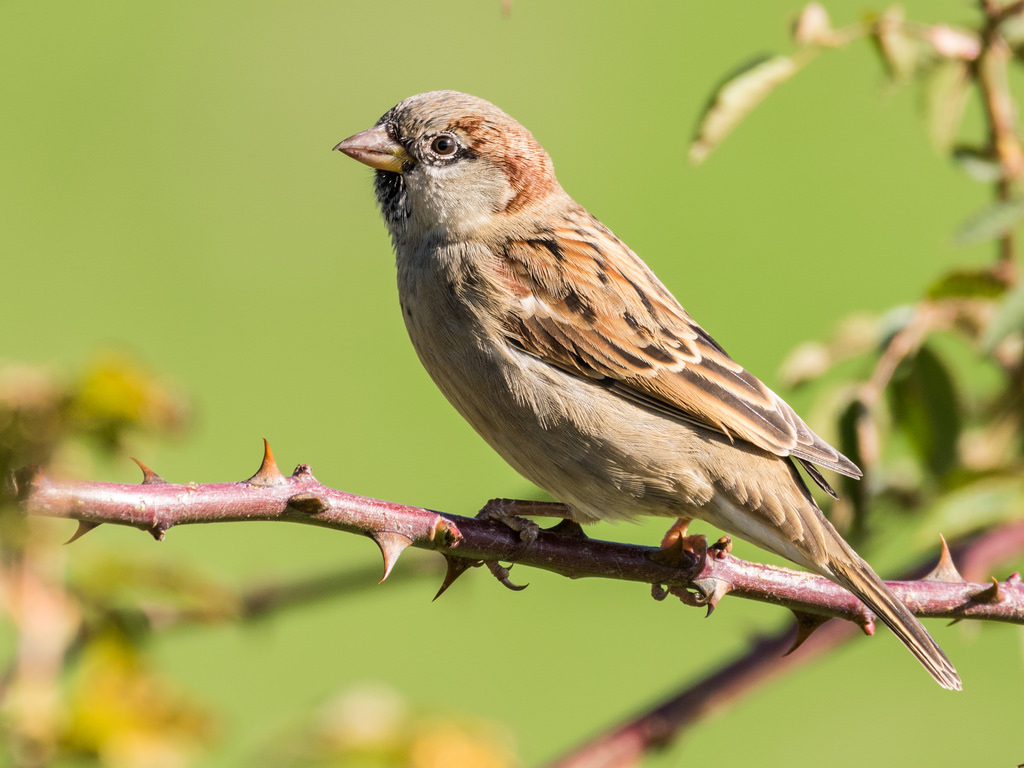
x=578, y=366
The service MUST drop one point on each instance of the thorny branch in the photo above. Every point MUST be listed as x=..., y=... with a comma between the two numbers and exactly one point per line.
x=667, y=720
x=697, y=574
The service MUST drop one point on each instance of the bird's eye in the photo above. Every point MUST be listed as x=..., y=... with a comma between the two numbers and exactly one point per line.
x=444, y=145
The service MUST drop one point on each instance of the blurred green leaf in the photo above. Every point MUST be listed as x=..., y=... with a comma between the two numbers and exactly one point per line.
x=992, y=221
x=736, y=97
x=894, y=321
x=33, y=404
x=901, y=54
x=849, y=441
x=1008, y=318
x=967, y=284
x=979, y=164
x=946, y=97
x=805, y=363
x=858, y=442
x=812, y=26
x=1012, y=30
x=981, y=503
x=41, y=407
x=925, y=406
x=126, y=581
x=855, y=335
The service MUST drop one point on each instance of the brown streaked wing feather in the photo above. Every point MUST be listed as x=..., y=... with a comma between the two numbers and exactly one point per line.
x=589, y=305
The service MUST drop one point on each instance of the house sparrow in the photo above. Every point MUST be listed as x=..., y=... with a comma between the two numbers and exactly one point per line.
x=572, y=360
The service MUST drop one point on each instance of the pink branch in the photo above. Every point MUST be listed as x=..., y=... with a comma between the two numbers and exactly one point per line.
x=699, y=576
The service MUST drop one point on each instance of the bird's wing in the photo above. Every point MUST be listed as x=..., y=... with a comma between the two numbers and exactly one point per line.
x=587, y=304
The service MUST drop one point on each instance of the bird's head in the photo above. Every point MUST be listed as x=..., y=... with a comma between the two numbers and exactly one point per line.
x=452, y=166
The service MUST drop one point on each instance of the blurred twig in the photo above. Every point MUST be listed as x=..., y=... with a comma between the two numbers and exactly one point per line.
x=1000, y=115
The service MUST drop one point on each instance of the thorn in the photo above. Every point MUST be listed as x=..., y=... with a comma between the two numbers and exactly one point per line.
x=308, y=503
x=302, y=470
x=720, y=590
x=501, y=573
x=84, y=526
x=994, y=593
x=868, y=626
x=456, y=567
x=157, y=532
x=149, y=477
x=944, y=570
x=391, y=546
x=806, y=623
x=268, y=473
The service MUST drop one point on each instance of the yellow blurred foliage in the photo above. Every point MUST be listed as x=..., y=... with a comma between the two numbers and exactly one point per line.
x=122, y=712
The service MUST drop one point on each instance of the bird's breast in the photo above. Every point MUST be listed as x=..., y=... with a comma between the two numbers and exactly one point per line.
x=568, y=435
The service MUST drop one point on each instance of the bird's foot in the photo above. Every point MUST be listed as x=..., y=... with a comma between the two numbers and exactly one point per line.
x=679, y=550
x=510, y=513
x=691, y=552
x=675, y=532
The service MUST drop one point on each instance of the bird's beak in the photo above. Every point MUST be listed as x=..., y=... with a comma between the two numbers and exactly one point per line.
x=376, y=149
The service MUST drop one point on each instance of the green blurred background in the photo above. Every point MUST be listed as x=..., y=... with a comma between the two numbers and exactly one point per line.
x=167, y=190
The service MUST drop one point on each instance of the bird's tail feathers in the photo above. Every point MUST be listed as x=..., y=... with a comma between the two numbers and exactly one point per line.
x=850, y=571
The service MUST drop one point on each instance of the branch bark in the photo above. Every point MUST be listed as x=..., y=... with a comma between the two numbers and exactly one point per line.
x=697, y=574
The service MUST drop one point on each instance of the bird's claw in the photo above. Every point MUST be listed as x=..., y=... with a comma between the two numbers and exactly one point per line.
x=501, y=573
